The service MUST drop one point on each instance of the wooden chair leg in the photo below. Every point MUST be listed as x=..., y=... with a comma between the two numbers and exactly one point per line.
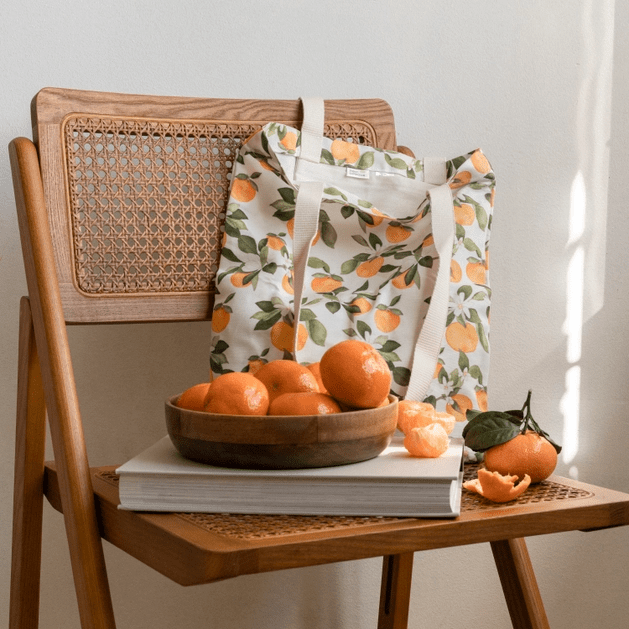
x=28, y=489
x=395, y=592
x=519, y=584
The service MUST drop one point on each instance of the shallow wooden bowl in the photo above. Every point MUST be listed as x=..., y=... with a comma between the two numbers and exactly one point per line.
x=281, y=442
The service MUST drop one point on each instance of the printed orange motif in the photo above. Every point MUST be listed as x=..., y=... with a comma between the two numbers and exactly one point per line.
x=462, y=338
x=243, y=190
x=282, y=336
x=348, y=152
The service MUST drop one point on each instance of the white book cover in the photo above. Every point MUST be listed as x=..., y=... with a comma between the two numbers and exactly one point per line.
x=393, y=483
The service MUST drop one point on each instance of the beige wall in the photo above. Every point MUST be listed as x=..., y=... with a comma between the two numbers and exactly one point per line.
x=542, y=88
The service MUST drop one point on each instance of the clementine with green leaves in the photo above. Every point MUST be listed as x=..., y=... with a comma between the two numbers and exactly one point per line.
x=513, y=442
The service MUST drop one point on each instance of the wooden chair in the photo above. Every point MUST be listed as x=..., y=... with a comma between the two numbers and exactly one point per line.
x=120, y=200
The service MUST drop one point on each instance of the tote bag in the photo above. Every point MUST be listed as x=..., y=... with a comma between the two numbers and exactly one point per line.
x=327, y=240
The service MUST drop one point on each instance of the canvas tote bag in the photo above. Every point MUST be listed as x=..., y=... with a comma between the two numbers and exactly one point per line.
x=327, y=240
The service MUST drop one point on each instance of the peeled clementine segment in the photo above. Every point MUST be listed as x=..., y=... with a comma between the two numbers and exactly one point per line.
x=429, y=441
x=496, y=487
x=446, y=420
x=412, y=414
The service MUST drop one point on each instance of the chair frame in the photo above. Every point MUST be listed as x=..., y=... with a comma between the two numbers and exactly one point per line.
x=88, y=498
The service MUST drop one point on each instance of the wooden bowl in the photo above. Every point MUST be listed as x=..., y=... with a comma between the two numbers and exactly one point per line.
x=281, y=442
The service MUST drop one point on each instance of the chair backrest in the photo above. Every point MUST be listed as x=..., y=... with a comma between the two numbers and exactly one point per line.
x=136, y=189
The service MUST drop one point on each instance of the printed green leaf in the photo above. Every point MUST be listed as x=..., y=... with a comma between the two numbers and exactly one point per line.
x=317, y=332
x=374, y=241
x=366, y=161
x=347, y=211
x=237, y=214
x=360, y=240
x=328, y=234
x=474, y=318
x=363, y=328
x=390, y=346
x=271, y=267
x=327, y=157
x=269, y=322
x=334, y=306
x=476, y=373
x=470, y=245
x=395, y=162
x=482, y=337
x=464, y=361
x=401, y=375
x=465, y=290
x=247, y=244
x=266, y=306
x=335, y=192
x=349, y=266
x=307, y=315
x=317, y=263
x=288, y=195
x=365, y=217
x=230, y=255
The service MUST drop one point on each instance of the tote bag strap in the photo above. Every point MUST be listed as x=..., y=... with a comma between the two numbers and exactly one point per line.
x=431, y=334
x=307, y=202
x=307, y=206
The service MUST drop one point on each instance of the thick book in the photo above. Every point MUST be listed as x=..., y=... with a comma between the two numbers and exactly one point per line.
x=392, y=484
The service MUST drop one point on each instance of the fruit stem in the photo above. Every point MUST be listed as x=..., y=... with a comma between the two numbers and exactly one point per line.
x=527, y=414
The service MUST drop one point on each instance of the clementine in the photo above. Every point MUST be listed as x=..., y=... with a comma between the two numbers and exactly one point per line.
x=237, y=393
x=527, y=454
x=355, y=374
x=427, y=441
x=193, y=398
x=286, y=376
x=304, y=403
x=315, y=368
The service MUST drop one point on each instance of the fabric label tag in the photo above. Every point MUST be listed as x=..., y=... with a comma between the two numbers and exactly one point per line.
x=356, y=173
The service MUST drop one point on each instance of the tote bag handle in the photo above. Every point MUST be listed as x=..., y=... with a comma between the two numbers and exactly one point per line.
x=307, y=206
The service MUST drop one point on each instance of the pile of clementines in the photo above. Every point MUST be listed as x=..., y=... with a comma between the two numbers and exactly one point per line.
x=351, y=375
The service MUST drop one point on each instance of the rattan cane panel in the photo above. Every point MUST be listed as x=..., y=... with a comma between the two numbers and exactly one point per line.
x=147, y=199
x=239, y=526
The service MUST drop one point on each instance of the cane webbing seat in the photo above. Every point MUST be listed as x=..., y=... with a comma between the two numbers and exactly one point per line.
x=121, y=202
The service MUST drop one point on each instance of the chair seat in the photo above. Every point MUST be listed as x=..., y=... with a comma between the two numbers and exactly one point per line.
x=195, y=548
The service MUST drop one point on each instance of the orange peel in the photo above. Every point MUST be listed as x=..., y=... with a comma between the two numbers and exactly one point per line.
x=496, y=487
x=427, y=441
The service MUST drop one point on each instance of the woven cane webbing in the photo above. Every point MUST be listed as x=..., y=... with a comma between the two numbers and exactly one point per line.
x=147, y=199
x=241, y=526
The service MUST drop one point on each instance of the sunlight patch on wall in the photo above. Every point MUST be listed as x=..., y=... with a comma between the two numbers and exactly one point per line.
x=586, y=243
